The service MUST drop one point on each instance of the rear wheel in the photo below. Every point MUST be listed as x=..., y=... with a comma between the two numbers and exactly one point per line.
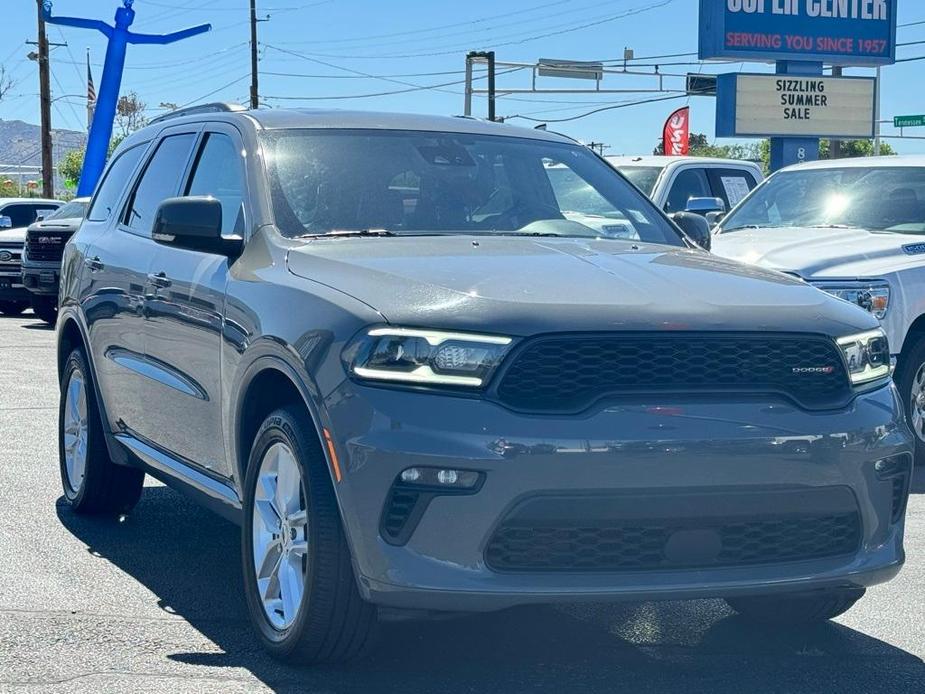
x=46, y=308
x=795, y=610
x=300, y=587
x=910, y=380
x=13, y=308
x=92, y=482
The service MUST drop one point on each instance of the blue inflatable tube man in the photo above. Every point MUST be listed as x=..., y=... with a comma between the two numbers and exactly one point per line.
x=119, y=38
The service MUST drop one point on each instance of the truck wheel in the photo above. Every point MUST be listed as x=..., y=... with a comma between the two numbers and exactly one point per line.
x=92, y=482
x=13, y=308
x=299, y=582
x=46, y=308
x=910, y=380
x=795, y=610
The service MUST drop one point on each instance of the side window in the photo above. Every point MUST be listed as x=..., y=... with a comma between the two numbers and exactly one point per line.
x=218, y=172
x=117, y=177
x=23, y=214
x=689, y=183
x=160, y=180
x=731, y=184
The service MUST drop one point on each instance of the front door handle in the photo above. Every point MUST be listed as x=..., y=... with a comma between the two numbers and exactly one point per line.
x=159, y=280
x=94, y=263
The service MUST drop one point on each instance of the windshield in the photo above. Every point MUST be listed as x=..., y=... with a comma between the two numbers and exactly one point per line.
x=643, y=177
x=405, y=182
x=885, y=199
x=72, y=210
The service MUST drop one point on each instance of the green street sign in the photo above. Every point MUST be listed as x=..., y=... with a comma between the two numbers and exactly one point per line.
x=908, y=121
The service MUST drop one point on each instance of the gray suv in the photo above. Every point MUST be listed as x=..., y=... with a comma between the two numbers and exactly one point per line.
x=418, y=380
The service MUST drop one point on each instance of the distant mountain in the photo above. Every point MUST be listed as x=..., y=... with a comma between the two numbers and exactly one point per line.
x=20, y=142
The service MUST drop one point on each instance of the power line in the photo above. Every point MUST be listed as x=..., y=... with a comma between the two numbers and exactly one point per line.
x=599, y=110
x=216, y=91
x=910, y=24
x=495, y=43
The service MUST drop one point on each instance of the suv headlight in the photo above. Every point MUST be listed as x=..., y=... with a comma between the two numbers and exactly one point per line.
x=871, y=296
x=867, y=356
x=426, y=357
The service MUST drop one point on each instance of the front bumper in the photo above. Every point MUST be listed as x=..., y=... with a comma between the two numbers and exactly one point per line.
x=11, y=287
x=41, y=278
x=675, y=447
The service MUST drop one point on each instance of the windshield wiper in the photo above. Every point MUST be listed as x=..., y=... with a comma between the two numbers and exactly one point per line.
x=725, y=230
x=831, y=226
x=340, y=233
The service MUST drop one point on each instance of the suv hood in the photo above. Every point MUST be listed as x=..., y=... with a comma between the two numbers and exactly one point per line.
x=522, y=286
x=817, y=254
x=67, y=224
x=13, y=235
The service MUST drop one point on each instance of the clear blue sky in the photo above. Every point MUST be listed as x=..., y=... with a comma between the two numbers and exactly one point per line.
x=342, y=40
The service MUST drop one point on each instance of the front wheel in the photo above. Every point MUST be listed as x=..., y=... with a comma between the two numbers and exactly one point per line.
x=300, y=586
x=46, y=308
x=910, y=380
x=795, y=610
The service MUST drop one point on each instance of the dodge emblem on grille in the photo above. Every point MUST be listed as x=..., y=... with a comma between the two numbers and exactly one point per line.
x=813, y=369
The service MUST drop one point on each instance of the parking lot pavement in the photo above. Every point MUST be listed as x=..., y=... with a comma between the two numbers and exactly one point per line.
x=154, y=603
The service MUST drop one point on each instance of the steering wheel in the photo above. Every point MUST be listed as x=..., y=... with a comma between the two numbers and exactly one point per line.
x=520, y=215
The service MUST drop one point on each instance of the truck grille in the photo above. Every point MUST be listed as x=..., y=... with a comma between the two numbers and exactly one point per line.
x=570, y=373
x=45, y=245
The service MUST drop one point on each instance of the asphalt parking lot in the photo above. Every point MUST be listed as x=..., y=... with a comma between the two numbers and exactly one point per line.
x=154, y=603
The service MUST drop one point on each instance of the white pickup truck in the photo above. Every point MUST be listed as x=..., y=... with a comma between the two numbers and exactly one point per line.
x=854, y=228
x=690, y=184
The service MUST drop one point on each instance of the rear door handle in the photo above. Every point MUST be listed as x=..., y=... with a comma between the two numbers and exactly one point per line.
x=159, y=280
x=94, y=263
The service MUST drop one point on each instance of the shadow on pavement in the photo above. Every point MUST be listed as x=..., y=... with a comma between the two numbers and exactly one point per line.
x=190, y=559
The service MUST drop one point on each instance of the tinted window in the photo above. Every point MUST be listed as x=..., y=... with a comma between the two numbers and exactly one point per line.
x=110, y=190
x=23, y=214
x=448, y=182
x=731, y=185
x=161, y=180
x=72, y=210
x=218, y=173
x=689, y=183
x=643, y=177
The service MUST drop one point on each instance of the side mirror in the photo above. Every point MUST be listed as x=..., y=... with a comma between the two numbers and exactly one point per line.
x=694, y=227
x=714, y=218
x=193, y=223
x=6, y=222
x=702, y=206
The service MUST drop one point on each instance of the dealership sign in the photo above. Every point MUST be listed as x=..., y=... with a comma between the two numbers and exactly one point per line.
x=794, y=106
x=841, y=32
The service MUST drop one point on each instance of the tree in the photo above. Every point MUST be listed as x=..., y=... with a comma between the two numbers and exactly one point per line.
x=700, y=147
x=130, y=113
x=855, y=148
x=73, y=162
x=6, y=82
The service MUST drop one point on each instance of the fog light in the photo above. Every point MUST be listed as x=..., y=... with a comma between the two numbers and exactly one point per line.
x=887, y=467
x=443, y=478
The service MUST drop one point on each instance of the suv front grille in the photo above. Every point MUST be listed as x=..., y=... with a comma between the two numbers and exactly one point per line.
x=46, y=245
x=569, y=373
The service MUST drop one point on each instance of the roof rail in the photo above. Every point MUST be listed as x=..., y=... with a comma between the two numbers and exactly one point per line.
x=216, y=107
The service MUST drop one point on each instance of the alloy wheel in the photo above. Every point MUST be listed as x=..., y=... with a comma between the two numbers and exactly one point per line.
x=75, y=431
x=280, y=535
x=917, y=403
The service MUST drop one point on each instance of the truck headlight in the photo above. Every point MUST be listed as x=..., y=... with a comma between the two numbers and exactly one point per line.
x=867, y=355
x=871, y=296
x=426, y=357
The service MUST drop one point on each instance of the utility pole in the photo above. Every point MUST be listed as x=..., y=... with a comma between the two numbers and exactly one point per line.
x=489, y=57
x=835, y=145
x=255, y=98
x=48, y=174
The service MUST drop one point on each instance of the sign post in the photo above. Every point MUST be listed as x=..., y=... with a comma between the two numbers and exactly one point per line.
x=799, y=36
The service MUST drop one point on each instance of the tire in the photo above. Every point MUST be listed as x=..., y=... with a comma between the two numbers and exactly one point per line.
x=46, y=308
x=92, y=482
x=795, y=610
x=13, y=308
x=330, y=621
x=910, y=380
